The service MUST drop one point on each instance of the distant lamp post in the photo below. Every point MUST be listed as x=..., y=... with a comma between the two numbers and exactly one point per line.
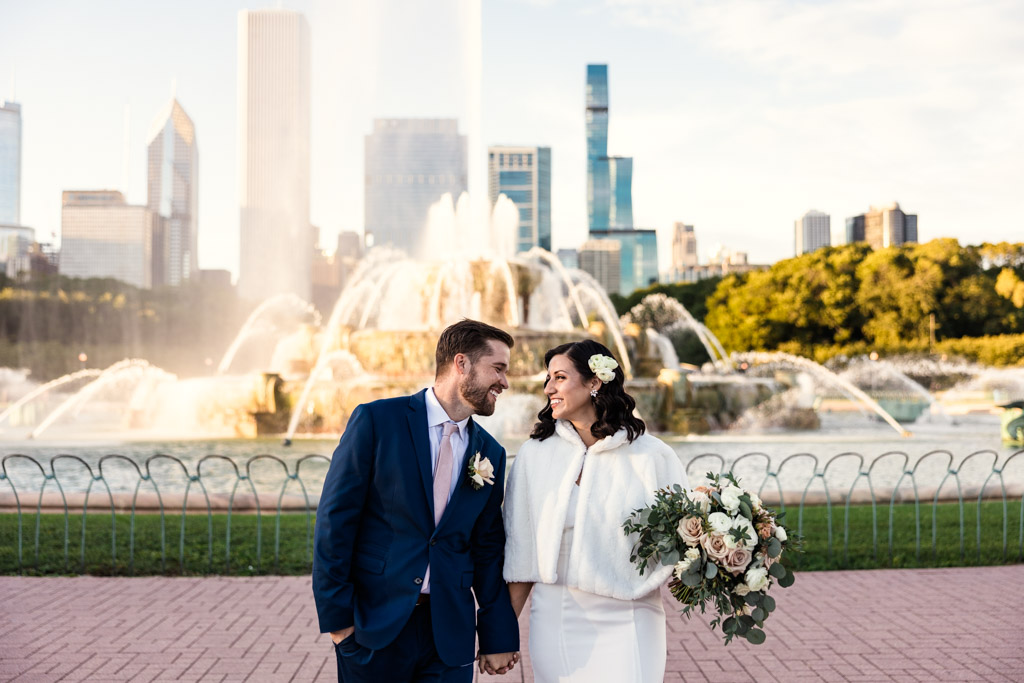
x=82, y=357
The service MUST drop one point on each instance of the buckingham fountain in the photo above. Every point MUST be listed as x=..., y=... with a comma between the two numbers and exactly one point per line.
x=292, y=372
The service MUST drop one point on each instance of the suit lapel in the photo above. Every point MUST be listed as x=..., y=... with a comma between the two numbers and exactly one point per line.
x=421, y=444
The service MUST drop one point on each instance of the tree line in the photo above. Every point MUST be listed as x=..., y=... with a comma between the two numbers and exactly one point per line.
x=937, y=296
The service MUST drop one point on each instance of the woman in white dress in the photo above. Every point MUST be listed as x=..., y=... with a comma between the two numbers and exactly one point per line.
x=586, y=467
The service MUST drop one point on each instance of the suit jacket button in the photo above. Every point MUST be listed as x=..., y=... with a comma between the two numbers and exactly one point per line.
x=417, y=580
x=433, y=541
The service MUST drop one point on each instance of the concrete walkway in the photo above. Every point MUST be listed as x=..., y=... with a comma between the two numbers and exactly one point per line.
x=886, y=625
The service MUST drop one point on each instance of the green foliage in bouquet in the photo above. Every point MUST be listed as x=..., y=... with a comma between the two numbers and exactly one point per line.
x=726, y=548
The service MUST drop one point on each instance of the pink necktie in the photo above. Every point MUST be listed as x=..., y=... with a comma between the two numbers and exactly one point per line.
x=443, y=472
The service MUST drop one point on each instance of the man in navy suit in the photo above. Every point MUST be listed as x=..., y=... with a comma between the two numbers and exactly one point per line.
x=409, y=528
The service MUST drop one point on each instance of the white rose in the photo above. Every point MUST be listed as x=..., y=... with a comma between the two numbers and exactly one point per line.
x=744, y=523
x=755, y=502
x=720, y=522
x=701, y=500
x=756, y=578
x=731, y=498
x=692, y=554
x=741, y=589
x=780, y=533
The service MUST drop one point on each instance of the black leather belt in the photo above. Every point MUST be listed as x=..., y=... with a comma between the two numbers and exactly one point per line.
x=424, y=599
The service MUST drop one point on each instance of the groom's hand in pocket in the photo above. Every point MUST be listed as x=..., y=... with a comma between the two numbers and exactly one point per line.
x=338, y=636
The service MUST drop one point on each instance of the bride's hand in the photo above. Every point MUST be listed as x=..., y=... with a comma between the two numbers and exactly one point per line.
x=498, y=663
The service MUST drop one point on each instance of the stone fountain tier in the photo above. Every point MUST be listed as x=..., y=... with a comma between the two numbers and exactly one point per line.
x=671, y=402
x=401, y=354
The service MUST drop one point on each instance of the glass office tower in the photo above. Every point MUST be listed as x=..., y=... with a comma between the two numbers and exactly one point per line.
x=173, y=194
x=10, y=163
x=523, y=174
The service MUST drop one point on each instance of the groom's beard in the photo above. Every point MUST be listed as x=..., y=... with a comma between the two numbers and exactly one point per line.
x=477, y=395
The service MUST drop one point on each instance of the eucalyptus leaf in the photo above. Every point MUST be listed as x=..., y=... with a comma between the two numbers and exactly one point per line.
x=745, y=509
x=730, y=625
x=768, y=603
x=691, y=580
x=752, y=598
x=758, y=615
x=670, y=558
x=787, y=580
x=711, y=571
x=774, y=547
x=778, y=571
x=755, y=636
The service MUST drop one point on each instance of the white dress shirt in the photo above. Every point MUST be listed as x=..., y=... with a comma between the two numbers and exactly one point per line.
x=436, y=417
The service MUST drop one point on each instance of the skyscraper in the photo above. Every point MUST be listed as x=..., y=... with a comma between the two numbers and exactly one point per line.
x=684, y=248
x=273, y=126
x=173, y=195
x=103, y=236
x=855, y=229
x=609, y=179
x=523, y=174
x=602, y=259
x=10, y=163
x=889, y=226
x=409, y=164
x=610, y=193
x=812, y=231
x=639, y=258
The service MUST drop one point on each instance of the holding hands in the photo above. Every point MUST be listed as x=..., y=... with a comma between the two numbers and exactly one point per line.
x=497, y=663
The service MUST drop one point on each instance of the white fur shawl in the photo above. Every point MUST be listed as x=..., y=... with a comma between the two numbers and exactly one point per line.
x=618, y=478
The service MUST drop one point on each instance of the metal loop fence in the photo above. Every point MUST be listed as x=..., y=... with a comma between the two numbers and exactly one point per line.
x=267, y=485
x=189, y=484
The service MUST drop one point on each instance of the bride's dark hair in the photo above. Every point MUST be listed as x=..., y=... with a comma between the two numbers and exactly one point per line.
x=613, y=405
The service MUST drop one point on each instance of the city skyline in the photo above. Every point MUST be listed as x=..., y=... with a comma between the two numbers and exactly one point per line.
x=791, y=106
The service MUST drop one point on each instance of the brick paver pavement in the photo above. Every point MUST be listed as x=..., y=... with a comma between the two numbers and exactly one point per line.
x=884, y=625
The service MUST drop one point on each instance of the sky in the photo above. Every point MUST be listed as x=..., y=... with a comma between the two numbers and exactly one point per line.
x=740, y=115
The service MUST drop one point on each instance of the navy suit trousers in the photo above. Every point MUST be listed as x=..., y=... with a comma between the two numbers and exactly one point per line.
x=411, y=658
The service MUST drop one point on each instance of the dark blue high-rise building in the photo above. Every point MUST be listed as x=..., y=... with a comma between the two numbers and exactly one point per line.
x=610, y=192
x=609, y=179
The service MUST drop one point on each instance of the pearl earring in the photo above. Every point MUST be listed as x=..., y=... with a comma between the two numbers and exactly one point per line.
x=593, y=393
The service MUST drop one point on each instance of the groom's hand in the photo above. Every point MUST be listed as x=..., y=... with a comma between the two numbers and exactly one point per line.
x=338, y=636
x=498, y=663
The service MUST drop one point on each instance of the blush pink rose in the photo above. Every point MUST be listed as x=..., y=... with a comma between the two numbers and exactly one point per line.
x=737, y=560
x=715, y=547
x=691, y=530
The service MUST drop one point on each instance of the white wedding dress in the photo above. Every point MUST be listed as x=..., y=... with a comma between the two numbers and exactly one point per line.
x=577, y=636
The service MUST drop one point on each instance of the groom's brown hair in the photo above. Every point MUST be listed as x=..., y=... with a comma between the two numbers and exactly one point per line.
x=468, y=337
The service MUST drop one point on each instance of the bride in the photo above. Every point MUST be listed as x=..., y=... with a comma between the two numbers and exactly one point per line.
x=587, y=465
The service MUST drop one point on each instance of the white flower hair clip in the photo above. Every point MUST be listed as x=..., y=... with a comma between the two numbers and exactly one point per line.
x=603, y=366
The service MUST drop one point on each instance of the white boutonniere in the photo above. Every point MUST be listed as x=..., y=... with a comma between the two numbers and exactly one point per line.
x=481, y=471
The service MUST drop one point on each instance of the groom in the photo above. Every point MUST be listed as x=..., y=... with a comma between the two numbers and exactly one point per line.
x=409, y=522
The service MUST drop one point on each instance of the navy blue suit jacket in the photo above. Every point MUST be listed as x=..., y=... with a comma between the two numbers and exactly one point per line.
x=375, y=535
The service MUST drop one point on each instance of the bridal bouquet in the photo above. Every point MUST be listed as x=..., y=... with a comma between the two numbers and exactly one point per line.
x=726, y=548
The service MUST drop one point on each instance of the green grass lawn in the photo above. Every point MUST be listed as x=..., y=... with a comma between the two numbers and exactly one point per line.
x=198, y=556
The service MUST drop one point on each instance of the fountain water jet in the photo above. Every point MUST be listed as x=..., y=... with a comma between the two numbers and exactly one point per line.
x=247, y=329
x=133, y=368
x=42, y=389
x=821, y=373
